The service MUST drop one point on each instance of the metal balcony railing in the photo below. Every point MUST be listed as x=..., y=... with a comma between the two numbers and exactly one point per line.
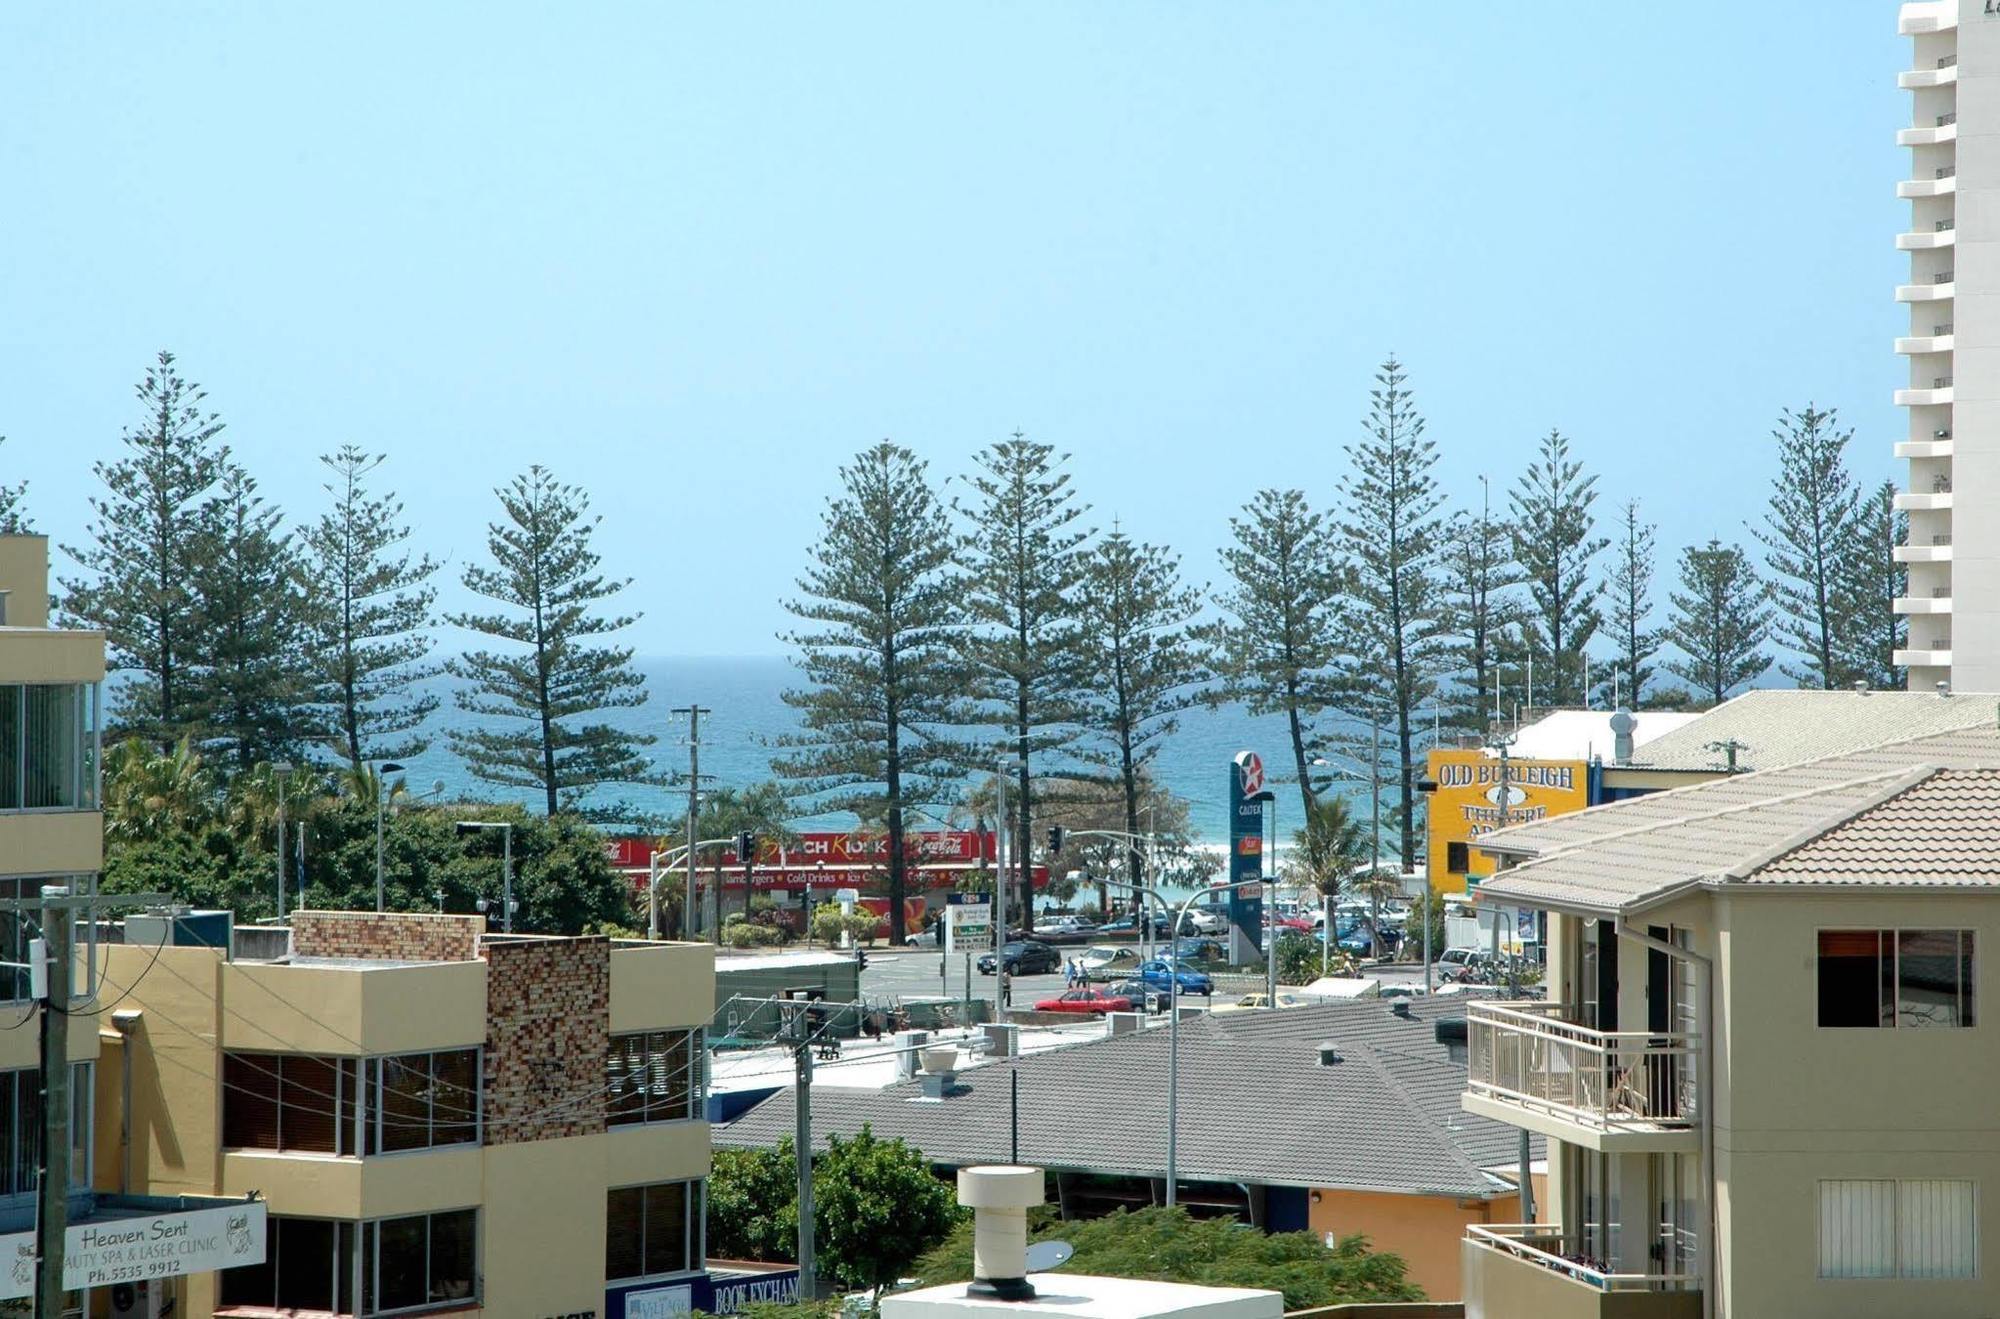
x=1940, y=643
x=1945, y=226
x=1942, y=277
x=1530, y=1053
x=1946, y=171
x=1945, y=119
x=1940, y=382
x=1941, y=538
x=1946, y=61
x=1540, y=1244
x=1940, y=593
x=1940, y=331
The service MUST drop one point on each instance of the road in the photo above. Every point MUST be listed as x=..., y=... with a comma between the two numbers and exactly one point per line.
x=914, y=973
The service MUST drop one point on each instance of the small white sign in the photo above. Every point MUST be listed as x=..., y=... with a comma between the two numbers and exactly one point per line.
x=135, y=1249
x=659, y=1303
x=969, y=926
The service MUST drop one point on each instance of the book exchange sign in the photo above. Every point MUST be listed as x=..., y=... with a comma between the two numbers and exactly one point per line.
x=134, y=1249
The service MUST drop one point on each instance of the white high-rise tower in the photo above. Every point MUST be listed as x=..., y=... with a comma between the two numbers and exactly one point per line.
x=1953, y=344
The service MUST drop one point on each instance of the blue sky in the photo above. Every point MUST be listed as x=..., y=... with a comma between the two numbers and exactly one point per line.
x=691, y=257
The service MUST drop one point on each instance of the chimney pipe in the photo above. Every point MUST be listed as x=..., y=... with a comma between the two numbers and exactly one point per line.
x=1622, y=724
x=999, y=1196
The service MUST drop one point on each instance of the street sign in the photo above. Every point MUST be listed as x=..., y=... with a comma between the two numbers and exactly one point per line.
x=1246, y=856
x=968, y=923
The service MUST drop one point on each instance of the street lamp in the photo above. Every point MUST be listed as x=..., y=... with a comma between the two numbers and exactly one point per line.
x=282, y=770
x=1007, y=765
x=382, y=773
x=506, y=829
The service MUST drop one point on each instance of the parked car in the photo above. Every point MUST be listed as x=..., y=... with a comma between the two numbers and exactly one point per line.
x=1025, y=957
x=1142, y=996
x=1205, y=920
x=1066, y=930
x=1090, y=1002
x=1161, y=974
x=1108, y=960
x=1260, y=999
x=1452, y=959
x=1361, y=945
x=1199, y=949
x=1125, y=927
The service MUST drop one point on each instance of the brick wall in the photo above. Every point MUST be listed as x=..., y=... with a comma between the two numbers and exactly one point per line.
x=548, y=1015
x=399, y=935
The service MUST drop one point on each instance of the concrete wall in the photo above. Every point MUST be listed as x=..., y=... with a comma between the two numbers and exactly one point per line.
x=659, y=986
x=1424, y=1229
x=1797, y=1103
x=51, y=843
x=24, y=575
x=349, y=1011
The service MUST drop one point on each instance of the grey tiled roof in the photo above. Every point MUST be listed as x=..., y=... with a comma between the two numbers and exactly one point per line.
x=1778, y=727
x=1256, y=1105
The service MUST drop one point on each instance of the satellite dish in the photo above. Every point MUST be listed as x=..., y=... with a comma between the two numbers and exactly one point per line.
x=1046, y=1255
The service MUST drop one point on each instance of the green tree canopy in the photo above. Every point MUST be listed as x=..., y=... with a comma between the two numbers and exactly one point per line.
x=371, y=602
x=1167, y=1245
x=1555, y=545
x=13, y=510
x=1629, y=589
x=1811, y=532
x=884, y=618
x=252, y=611
x=877, y=1207
x=1720, y=621
x=546, y=690
x=149, y=540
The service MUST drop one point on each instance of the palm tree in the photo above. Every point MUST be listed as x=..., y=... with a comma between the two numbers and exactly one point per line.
x=1333, y=844
x=146, y=792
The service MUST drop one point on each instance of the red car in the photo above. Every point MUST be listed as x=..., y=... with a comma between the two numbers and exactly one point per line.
x=1092, y=1001
x=1298, y=923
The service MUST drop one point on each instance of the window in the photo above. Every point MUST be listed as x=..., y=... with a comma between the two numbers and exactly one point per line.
x=1457, y=858
x=1897, y=1229
x=21, y=1128
x=420, y=1261
x=652, y=1230
x=407, y=1264
x=310, y=1104
x=48, y=746
x=653, y=1076
x=1895, y=978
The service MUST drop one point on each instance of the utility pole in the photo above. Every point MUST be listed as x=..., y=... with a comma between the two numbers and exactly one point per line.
x=802, y=1146
x=283, y=771
x=50, y=966
x=694, y=712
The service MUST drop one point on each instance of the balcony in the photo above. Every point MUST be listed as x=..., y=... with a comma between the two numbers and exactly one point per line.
x=1913, y=345
x=1920, y=501
x=1935, y=291
x=1937, y=394
x=1944, y=185
x=1613, y=1091
x=1919, y=658
x=1929, y=135
x=1922, y=604
x=1944, y=75
x=1521, y=1270
x=1923, y=553
x=1922, y=16
x=1926, y=240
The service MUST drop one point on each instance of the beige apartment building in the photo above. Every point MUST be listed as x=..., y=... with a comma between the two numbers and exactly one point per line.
x=1763, y=1064
x=1952, y=344
x=51, y=833
x=441, y=1119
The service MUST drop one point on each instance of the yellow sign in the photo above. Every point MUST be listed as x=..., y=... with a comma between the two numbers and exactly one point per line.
x=1468, y=803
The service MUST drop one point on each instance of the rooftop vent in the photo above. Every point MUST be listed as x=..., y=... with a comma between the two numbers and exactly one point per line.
x=1861, y=685
x=1401, y=1008
x=1000, y=1197
x=1943, y=687
x=1329, y=1054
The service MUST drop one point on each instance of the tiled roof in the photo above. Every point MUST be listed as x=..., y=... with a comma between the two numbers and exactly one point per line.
x=1942, y=830
x=1776, y=727
x=1256, y=1105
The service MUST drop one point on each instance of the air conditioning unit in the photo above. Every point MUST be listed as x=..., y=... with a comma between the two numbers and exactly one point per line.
x=141, y=1300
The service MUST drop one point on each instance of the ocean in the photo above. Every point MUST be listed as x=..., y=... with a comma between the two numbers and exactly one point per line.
x=747, y=717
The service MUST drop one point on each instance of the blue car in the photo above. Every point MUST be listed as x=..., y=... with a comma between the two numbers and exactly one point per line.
x=1159, y=974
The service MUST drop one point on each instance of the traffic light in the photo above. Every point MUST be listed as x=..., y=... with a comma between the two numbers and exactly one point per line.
x=744, y=842
x=1056, y=832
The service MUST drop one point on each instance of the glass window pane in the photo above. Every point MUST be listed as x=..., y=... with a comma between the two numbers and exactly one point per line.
x=10, y=747
x=27, y=1127
x=625, y=1080
x=454, y=1254
x=1857, y=1229
x=455, y=1077
x=1850, y=977
x=305, y=1264
x=406, y=1102
x=255, y=1284
x=1966, y=982
x=624, y=1233
x=53, y=725
x=403, y=1258
x=80, y=1092
x=1927, y=978
x=666, y=1228
x=15, y=1175
x=308, y=1098
x=249, y=1102
x=1935, y=1230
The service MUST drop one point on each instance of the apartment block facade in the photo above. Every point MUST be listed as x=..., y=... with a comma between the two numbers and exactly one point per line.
x=51, y=833
x=1762, y=1064
x=441, y=1120
x=1952, y=344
